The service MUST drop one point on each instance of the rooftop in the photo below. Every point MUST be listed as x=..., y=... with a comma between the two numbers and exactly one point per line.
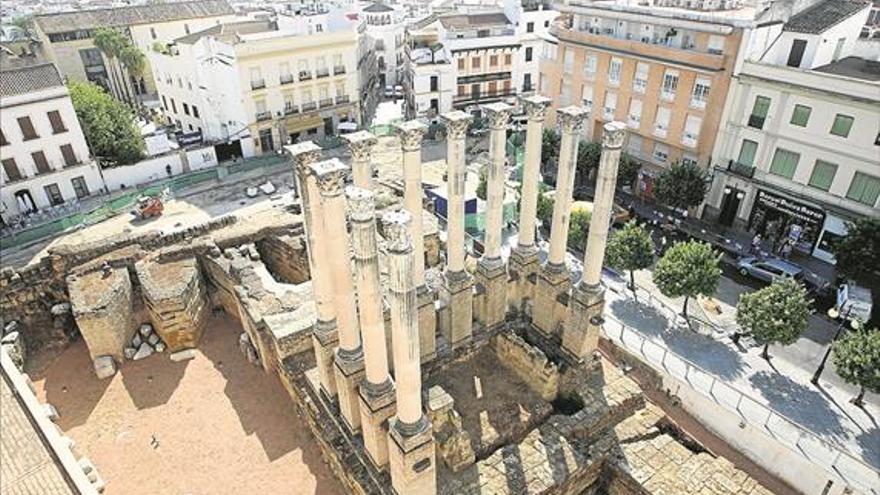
x=20, y=78
x=228, y=32
x=819, y=18
x=856, y=67
x=378, y=7
x=132, y=16
x=465, y=21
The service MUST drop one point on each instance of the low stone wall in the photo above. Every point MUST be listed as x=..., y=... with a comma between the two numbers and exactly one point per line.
x=176, y=300
x=529, y=363
x=286, y=257
x=102, y=305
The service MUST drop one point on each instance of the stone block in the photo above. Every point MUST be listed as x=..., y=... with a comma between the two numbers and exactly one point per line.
x=349, y=372
x=324, y=341
x=456, y=293
x=412, y=461
x=523, y=266
x=183, y=355
x=176, y=300
x=105, y=367
x=427, y=324
x=547, y=312
x=377, y=406
x=144, y=351
x=102, y=307
x=492, y=275
x=580, y=336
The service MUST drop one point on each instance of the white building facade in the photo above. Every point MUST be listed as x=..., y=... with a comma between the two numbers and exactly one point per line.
x=385, y=25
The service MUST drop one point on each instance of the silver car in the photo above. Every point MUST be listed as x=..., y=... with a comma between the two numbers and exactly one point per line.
x=769, y=269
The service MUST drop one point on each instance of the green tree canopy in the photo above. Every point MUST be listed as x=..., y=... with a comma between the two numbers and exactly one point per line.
x=115, y=44
x=484, y=182
x=857, y=258
x=108, y=125
x=630, y=248
x=578, y=228
x=776, y=314
x=545, y=210
x=588, y=157
x=687, y=269
x=857, y=359
x=683, y=185
x=549, y=152
x=627, y=170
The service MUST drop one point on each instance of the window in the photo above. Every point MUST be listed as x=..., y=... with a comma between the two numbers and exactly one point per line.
x=568, y=59
x=461, y=64
x=434, y=83
x=68, y=155
x=614, y=71
x=493, y=88
x=800, y=115
x=483, y=33
x=173, y=106
x=507, y=59
x=475, y=63
x=640, y=82
x=784, y=163
x=759, y=112
x=635, y=113
x=587, y=97
x=186, y=109
x=590, y=65
x=864, y=188
x=747, y=153
x=462, y=90
x=670, y=84
x=153, y=33
x=27, y=128
x=529, y=54
x=691, y=131
x=53, y=194
x=661, y=153
x=493, y=60
x=689, y=159
x=565, y=92
x=527, y=82
x=40, y=162
x=186, y=28
x=57, y=123
x=841, y=126
x=700, y=93
x=3, y=141
x=634, y=144
x=661, y=122
x=195, y=111
x=796, y=55
x=256, y=78
x=610, y=105
x=11, y=169
x=716, y=44
x=164, y=103
x=530, y=27
x=823, y=175
x=546, y=24
x=80, y=187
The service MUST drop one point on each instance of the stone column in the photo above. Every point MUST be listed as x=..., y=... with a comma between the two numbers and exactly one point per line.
x=524, y=258
x=587, y=302
x=456, y=292
x=377, y=390
x=410, y=439
x=554, y=278
x=361, y=144
x=491, y=270
x=349, y=359
x=324, y=337
x=411, y=134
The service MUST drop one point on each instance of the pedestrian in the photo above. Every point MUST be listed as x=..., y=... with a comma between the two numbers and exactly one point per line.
x=785, y=252
x=756, y=245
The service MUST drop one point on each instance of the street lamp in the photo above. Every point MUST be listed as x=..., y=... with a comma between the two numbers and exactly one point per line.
x=834, y=314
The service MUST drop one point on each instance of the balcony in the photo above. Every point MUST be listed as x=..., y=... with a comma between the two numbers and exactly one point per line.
x=469, y=98
x=338, y=69
x=741, y=169
x=634, y=121
x=305, y=75
x=667, y=95
x=285, y=79
x=756, y=121
x=639, y=86
x=660, y=130
x=689, y=139
x=380, y=46
x=261, y=116
x=342, y=99
x=322, y=73
x=325, y=102
x=698, y=103
x=291, y=109
x=608, y=113
x=258, y=84
x=308, y=107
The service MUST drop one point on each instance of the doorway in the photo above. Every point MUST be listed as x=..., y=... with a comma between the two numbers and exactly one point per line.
x=266, y=142
x=798, y=47
x=729, y=206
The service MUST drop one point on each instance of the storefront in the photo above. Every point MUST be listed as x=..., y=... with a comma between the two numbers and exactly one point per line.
x=778, y=218
x=834, y=230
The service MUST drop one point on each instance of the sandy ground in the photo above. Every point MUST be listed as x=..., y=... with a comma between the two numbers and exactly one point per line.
x=222, y=425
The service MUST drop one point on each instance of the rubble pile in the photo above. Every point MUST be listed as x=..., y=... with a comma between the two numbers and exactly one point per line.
x=144, y=343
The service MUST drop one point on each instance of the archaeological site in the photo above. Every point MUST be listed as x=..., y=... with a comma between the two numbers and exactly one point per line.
x=415, y=366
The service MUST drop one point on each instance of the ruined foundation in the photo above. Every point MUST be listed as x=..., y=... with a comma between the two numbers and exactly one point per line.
x=176, y=301
x=102, y=304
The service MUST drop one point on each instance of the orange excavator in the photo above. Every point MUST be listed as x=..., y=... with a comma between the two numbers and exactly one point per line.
x=148, y=207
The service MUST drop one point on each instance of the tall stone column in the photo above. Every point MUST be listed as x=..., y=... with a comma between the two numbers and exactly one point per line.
x=491, y=269
x=581, y=334
x=524, y=258
x=554, y=278
x=349, y=359
x=411, y=134
x=376, y=393
x=325, y=335
x=410, y=439
x=457, y=286
x=361, y=144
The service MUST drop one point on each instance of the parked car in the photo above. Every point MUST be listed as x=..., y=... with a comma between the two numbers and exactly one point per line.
x=770, y=269
x=389, y=92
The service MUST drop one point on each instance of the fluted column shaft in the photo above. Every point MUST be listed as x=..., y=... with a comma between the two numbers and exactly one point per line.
x=404, y=320
x=456, y=127
x=370, y=306
x=498, y=115
x=361, y=144
x=536, y=108
x=411, y=134
x=571, y=120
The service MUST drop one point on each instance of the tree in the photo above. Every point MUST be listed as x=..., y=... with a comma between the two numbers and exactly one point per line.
x=25, y=23
x=683, y=185
x=108, y=125
x=630, y=248
x=857, y=254
x=775, y=314
x=545, y=210
x=857, y=359
x=578, y=228
x=122, y=52
x=549, y=152
x=587, y=160
x=627, y=170
x=687, y=269
x=484, y=182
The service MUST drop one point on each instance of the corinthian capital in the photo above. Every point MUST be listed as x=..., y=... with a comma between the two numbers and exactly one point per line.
x=572, y=118
x=456, y=123
x=331, y=176
x=361, y=203
x=536, y=107
x=498, y=114
x=411, y=133
x=360, y=144
x=613, y=135
x=395, y=225
x=302, y=155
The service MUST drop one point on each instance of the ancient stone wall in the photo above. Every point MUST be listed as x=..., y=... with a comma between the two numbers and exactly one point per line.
x=102, y=303
x=28, y=296
x=286, y=257
x=176, y=300
x=529, y=363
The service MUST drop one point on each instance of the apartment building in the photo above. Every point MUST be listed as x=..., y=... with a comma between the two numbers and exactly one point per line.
x=798, y=152
x=663, y=69
x=385, y=25
x=67, y=41
x=250, y=87
x=44, y=156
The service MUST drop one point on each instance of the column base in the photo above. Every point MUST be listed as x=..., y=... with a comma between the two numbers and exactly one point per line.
x=580, y=337
x=548, y=312
x=325, y=339
x=411, y=457
x=377, y=405
x=457, y=293
x=349, y=371
x=492, y=275
x=427, y=323
x=523, y=266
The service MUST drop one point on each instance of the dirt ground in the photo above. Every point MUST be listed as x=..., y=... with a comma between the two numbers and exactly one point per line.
x=212, y=425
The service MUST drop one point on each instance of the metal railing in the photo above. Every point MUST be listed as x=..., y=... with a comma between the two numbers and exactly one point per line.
x=285, y=78
x=338, y=69
x=305, y=75
x=741, y=169
x=325, y=102
x=260, y=116
x=322, y=73
x=258, y=84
